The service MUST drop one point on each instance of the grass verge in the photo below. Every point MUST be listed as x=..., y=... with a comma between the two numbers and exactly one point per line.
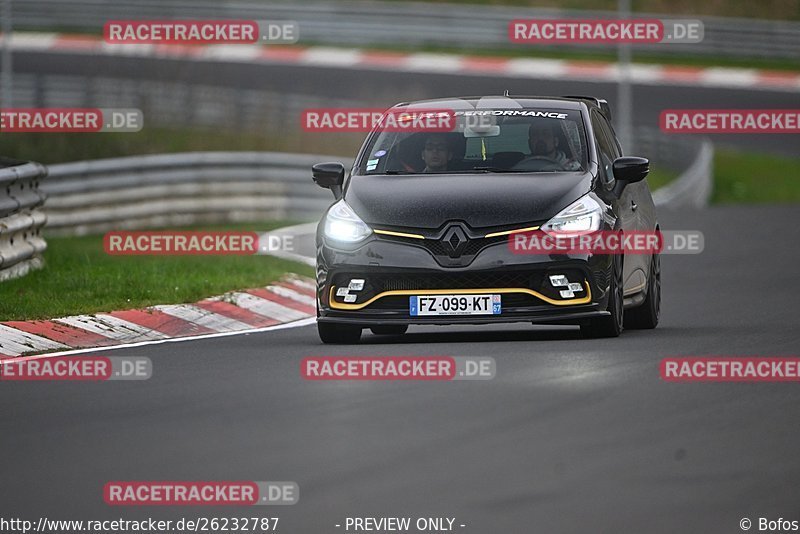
x=658, y=178
x=79, y=277
x=754, y=178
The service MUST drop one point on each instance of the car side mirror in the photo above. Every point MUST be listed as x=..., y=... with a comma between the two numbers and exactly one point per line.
x=629, y=170
x=330, y=176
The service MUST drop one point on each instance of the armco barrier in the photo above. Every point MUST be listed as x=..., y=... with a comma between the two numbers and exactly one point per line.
x=694, y=186
x=180, y=189
x=21, y=219
x=691, y=158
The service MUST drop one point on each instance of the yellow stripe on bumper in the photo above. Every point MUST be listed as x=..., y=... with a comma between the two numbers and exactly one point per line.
x=501, y=290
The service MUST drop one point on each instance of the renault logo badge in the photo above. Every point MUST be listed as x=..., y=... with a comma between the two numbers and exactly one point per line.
x=454, y=241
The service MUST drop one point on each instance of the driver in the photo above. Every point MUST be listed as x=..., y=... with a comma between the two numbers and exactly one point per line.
x=544, y=142
x=436, y=153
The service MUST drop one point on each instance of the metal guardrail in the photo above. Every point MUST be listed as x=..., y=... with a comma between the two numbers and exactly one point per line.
x=689, y=157
x=182, y=189
x=21, y=220
x=361, y=23
x=694, y=186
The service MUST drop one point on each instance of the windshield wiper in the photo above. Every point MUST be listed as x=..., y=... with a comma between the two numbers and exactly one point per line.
x=492, y=169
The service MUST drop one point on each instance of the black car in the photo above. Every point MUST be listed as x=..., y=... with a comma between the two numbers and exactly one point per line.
x=420, y=230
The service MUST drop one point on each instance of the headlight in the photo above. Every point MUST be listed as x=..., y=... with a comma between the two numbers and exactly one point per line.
x=581, y=217
x=343, y=225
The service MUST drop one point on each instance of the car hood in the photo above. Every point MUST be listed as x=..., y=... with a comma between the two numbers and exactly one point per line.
x=484, y=200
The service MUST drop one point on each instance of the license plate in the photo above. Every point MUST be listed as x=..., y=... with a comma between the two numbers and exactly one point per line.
x=455, y=305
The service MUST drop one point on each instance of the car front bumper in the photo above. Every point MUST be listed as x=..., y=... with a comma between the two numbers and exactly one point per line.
x=393, y=271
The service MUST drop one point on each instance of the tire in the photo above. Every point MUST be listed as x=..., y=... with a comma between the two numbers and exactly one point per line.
x=645, y=316
x=612, y=325
x=338, y=334
x=390, y=330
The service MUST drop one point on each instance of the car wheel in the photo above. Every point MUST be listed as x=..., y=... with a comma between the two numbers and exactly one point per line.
x=338, y=334
x=610, y=326
x=390, y=330
x=645, y=316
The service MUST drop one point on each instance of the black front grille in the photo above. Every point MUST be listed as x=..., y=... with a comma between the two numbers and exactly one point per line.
x=473, y=246
x=437, y=247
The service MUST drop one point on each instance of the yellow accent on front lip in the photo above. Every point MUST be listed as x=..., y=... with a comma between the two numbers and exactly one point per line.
x=399, y=234
x=509, y=232
x=408, y=292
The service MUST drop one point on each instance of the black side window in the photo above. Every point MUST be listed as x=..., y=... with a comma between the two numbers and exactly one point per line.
x=607, y=147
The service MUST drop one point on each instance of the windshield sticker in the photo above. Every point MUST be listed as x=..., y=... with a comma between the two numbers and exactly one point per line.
x=512, y=113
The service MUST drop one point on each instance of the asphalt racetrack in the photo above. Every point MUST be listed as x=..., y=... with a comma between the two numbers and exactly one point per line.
x=572, y=435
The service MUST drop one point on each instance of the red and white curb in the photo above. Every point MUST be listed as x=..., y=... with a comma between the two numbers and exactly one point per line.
x=721, y=77
x=289, y=301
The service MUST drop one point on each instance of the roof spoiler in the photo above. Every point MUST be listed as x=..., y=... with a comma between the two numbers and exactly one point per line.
x=600, y=102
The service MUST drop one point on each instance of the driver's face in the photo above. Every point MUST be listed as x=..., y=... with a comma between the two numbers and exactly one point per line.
x=541, y=140
x=436, y=154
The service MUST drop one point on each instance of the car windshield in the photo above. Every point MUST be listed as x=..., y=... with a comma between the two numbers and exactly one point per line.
x=476, y=141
